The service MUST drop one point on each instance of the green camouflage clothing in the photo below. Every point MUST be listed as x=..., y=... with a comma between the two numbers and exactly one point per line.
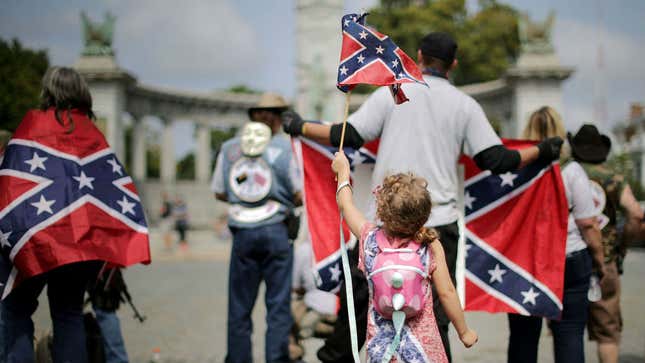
x=613, y=186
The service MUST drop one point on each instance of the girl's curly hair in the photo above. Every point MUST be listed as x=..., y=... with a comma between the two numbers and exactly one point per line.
x=403, y=204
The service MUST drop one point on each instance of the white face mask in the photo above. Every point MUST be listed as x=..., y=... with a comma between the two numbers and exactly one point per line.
x=255, y=138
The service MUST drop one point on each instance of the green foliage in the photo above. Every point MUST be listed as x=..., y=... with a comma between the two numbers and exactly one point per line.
x=218, y=137
x=242, y=88
x=153, y=161
x=186, y=167
x=21, y=71
x=488, y=40
x=364, y=88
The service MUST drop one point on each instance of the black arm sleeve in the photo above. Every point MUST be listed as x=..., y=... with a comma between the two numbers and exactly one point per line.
x=352, y=138
x=498, y=159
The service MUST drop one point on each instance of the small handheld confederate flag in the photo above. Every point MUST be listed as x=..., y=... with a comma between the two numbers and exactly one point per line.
x=516, y=230
x=370, y=57
x=320, y=205
x=64, y=198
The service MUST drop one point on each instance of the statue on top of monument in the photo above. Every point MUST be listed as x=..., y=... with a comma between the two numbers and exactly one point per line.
x=98, y=36
x=535, y=37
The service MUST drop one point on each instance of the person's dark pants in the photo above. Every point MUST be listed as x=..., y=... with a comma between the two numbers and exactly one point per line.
x=449, y=237
x=262, y=253
x=524, y=338
x=568, y=333
x=66, y=287
x=338, y=346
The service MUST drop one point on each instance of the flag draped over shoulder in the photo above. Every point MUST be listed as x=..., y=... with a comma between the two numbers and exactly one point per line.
x=65, y=198
x=516, y=230
x=320, y=205
x=370, y=57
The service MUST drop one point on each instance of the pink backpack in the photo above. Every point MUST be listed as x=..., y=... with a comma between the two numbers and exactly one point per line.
x=399, y=279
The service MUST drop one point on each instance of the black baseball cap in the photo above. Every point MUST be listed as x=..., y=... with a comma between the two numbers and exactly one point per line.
x=439, y=45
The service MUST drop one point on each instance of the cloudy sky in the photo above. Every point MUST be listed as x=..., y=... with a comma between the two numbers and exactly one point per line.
x=211, y=44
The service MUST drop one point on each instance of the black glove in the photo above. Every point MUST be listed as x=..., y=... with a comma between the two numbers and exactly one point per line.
x=292, y=123
x=550, y=148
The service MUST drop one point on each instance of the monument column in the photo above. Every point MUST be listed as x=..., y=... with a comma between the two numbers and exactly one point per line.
x=318, y=40
x=108, y=83
x=168, y=165
x=537, y=76
x=203, y=154
x=139, y=166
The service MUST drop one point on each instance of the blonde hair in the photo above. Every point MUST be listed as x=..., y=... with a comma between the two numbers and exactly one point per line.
x=544, y=123
x=403, y=204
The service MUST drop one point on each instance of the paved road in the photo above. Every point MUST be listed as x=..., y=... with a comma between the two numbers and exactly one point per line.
x=184, y=297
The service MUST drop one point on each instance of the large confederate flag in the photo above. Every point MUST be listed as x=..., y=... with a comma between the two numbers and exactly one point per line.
x=516, y=230
x=320, y=205
x=64, y=198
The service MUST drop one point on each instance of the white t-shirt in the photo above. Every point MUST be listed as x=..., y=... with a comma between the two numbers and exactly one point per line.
x=303, y=277
x=426, y=136
x=580, y=200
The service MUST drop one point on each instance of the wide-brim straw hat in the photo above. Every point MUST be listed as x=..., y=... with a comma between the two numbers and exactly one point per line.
x=589, y=145
x=269, y=101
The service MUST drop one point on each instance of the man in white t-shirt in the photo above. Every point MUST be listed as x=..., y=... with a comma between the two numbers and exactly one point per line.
x=426, y=136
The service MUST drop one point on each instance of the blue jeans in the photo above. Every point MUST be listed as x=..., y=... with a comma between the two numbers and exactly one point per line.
x=568, y=333
x=65, y=289
x=112, y=339
x=262, y=253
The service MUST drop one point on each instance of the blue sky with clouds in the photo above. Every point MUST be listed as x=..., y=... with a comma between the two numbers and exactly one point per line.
x=206, y=45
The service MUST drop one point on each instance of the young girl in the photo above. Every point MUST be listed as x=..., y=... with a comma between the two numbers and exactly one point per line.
x=403, y=205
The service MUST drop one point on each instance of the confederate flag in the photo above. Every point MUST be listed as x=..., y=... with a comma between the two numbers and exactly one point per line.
x=65, y=198
x=370, y=57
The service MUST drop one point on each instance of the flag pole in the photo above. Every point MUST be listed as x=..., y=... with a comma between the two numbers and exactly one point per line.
x=342, y=134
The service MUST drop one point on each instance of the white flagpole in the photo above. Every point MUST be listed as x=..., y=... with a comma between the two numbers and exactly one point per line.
x=460, y=273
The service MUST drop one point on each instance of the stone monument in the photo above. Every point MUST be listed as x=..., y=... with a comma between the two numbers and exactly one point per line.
x=318, y=39
x=108, y=82
x=537, y=75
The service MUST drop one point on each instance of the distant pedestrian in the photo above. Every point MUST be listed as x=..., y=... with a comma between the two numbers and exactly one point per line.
x=180, y=215
x=166, y=222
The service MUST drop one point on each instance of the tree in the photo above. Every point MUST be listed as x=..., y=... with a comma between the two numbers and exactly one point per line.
x=242, y=88
x=488, y=40
x=21, y=71
x=218, y=137
x=186, y=167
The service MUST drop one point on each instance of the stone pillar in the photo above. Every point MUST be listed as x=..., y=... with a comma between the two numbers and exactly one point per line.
x=139, y=166
x=168, y=164
x=318, y=41
x=108, y=85
x=203, y=154
x=536, y=80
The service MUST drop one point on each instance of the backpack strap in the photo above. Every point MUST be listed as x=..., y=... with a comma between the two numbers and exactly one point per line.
x=398, y=318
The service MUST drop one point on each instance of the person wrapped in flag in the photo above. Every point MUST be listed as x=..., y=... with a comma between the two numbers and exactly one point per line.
x=426, y=135
x=66, y=208
x=401, y=259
